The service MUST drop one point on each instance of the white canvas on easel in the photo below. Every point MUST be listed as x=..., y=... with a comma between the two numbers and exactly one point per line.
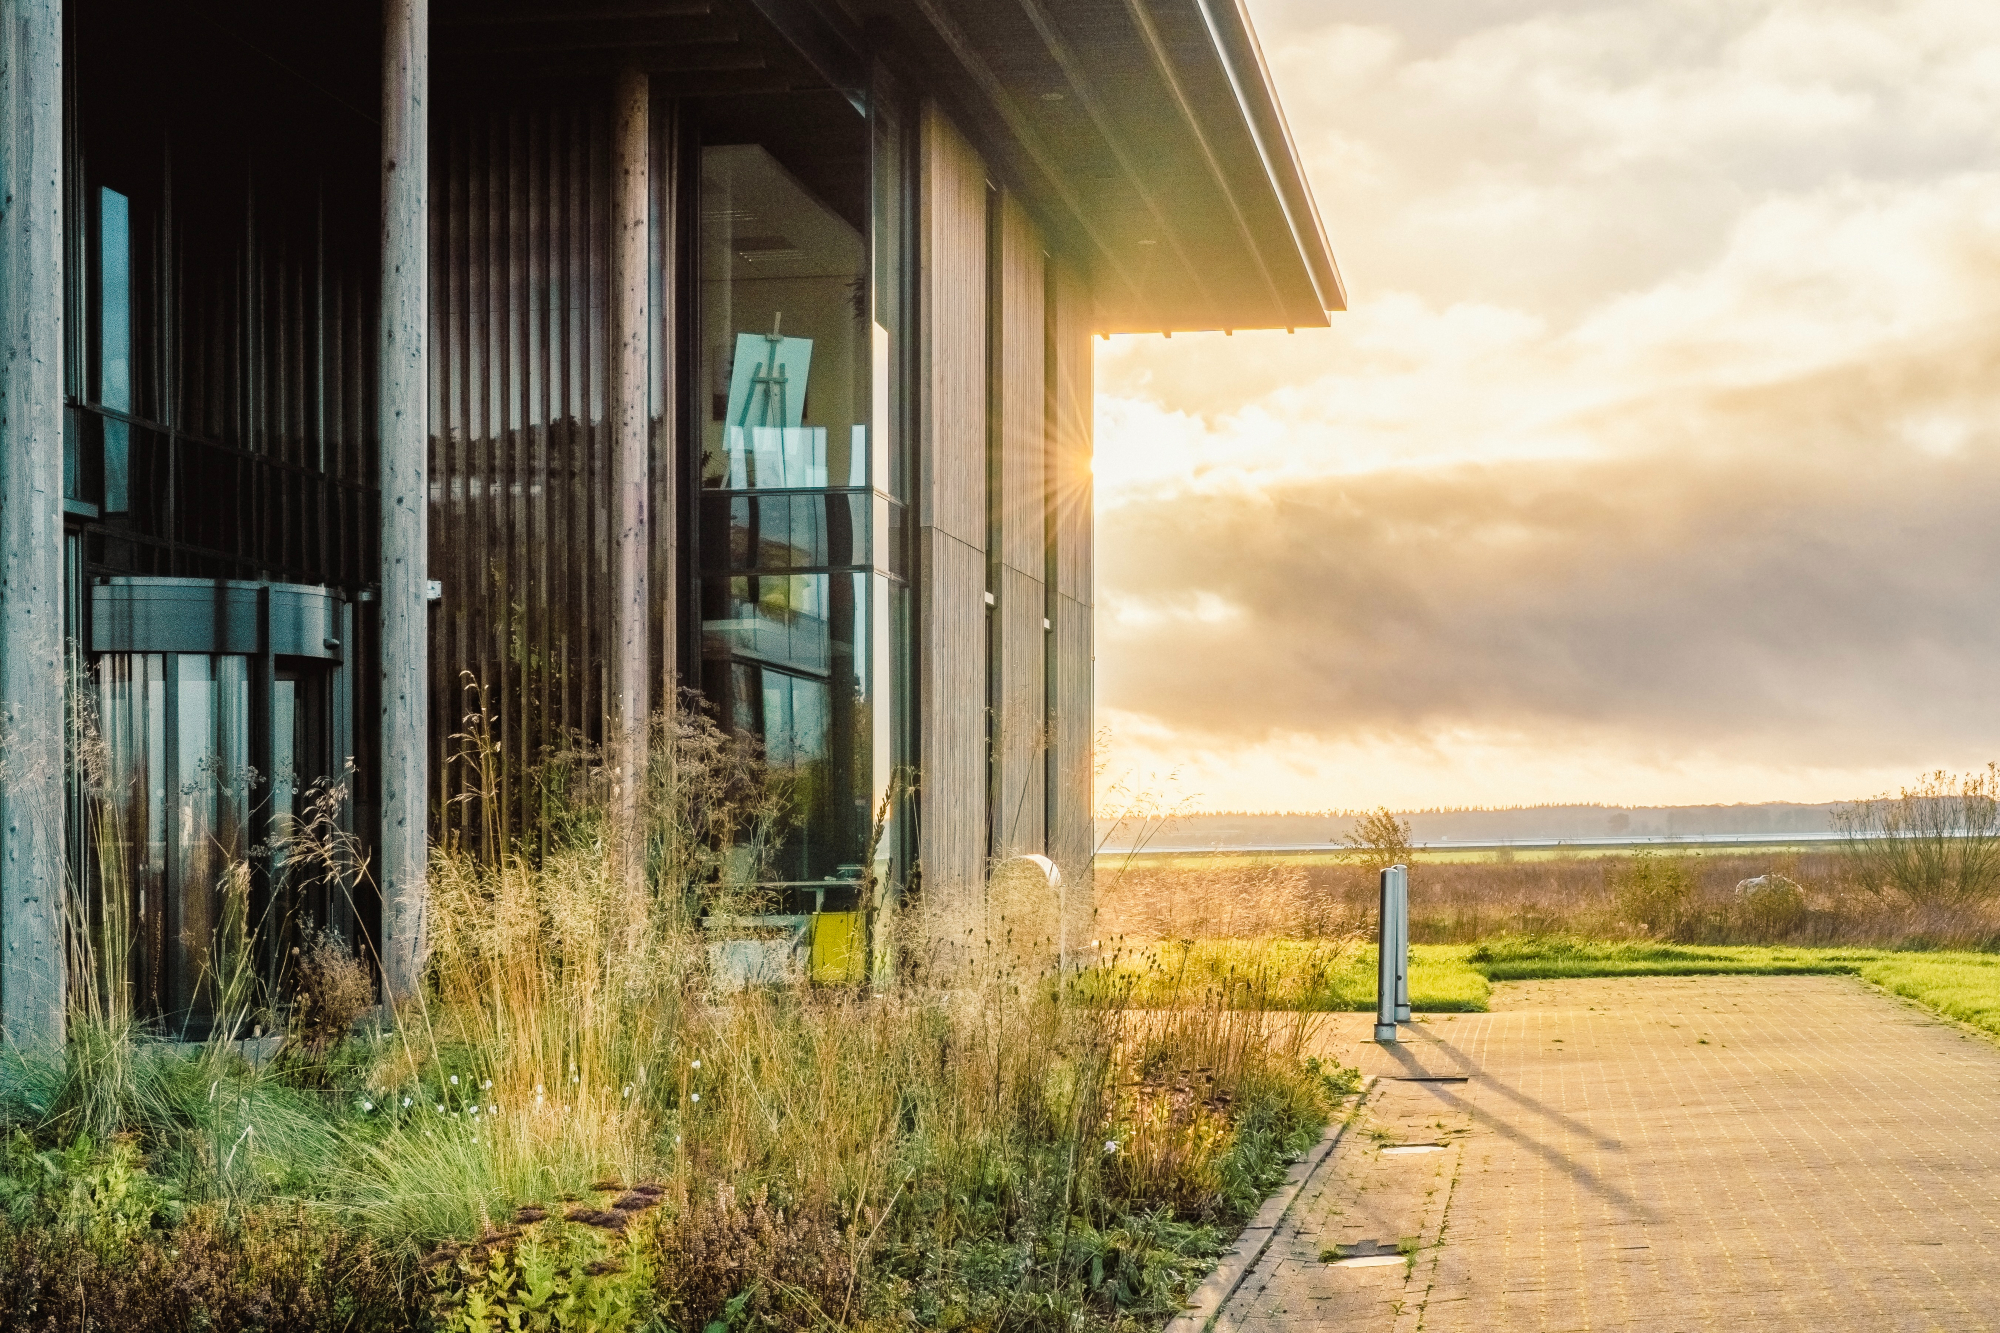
x=767, y=445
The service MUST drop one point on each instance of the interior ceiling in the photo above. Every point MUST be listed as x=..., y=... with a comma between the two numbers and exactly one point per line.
x=1142, y=132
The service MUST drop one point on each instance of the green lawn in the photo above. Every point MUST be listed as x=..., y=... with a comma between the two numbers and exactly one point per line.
x=1964, y=986
x=1458, y=978
x=1960, y=986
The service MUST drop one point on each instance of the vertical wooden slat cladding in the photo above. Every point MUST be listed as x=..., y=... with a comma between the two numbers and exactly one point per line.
x=1075, y=407
x=1020, y=738
x=953, y=192
x=1022, y=415
x=951, y=505
x=1072, y=836
x=520, y=477
x=1019, y=734
x=951, y=846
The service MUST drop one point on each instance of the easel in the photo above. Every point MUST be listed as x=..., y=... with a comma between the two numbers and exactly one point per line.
x=768, y=381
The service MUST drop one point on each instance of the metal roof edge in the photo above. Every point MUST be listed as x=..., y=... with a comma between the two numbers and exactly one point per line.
x=1250, y=77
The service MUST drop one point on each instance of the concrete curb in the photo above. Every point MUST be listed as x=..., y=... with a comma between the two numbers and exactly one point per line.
x=1213, y=1294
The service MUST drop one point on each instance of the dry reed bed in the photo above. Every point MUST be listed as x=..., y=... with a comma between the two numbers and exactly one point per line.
x=1154, y=898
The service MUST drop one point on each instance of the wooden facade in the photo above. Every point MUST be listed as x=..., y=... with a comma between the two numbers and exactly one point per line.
x=524, y=530
x=951, y=522
x=573, y=361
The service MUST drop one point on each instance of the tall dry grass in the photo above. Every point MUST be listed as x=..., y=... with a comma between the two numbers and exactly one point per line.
x=979, y=1139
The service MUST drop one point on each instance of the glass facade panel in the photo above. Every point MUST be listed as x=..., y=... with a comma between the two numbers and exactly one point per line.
x=128, y=827
x=783, y=520
x=114, y=339
x=804, y=215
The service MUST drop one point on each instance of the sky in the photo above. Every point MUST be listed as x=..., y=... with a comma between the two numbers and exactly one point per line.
x=1656, y=460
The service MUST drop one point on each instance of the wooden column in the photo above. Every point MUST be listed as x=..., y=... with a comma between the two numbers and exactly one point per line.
x=405, y=392
x=31, y=532
x=1020, y=739
x=1072, y=831
x=951, y=517
x=630, y=703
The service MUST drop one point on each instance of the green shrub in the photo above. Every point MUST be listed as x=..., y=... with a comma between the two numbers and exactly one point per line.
x=1770, y=907
x=276, y=1271
x=104, y=1196
x=1655, y=892
x=551, y=1277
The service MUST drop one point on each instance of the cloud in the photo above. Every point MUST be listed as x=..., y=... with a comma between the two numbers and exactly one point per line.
x=1659, y=456
x=1806, y=606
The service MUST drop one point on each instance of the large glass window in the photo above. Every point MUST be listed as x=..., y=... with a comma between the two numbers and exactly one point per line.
x=798, y=526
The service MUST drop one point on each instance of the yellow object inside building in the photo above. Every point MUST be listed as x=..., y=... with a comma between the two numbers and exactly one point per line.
x=839, y=947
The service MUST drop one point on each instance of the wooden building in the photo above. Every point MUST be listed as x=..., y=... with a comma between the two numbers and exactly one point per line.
x=585, y=353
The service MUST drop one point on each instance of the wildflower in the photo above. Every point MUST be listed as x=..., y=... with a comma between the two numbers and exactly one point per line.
x=695, y=1096
x=627, y=1092
x=487, y=1084
x=440, y=1108
x=574, y=1079
x=697, y=1064
x=1111, y=1145
x=474, y=1111
x=454, y=1080
x=491, y=1109
x=367, y=1106
x=406, y=1103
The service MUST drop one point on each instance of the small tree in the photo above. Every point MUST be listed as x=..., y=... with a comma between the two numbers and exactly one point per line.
x=1378, y=840
x=1936, y=844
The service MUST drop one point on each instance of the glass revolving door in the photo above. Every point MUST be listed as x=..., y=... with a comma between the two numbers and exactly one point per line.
x=202, y=768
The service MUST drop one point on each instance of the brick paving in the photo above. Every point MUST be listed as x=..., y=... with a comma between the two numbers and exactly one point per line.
x=1659, y=1154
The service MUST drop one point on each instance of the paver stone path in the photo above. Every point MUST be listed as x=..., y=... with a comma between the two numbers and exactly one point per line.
x=1658, y=1154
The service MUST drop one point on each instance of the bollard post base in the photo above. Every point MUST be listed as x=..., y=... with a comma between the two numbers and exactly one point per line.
x=1385, y=1032
x=1402, y=1013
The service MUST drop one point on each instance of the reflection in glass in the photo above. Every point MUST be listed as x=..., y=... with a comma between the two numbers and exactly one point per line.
x=784, y=322
x=284, y=772
x=114, y=340
x=173, y=825
x=129, y=828
x=785, y=610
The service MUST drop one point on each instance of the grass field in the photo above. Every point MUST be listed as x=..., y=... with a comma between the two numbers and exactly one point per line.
x=1458, y=978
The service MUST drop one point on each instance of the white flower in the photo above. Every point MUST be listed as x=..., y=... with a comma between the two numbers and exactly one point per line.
x=1111, y=1145
x=627, y=1092
x=454, y=1080
x=695, y=1096
x=406, y=1103
x=491, y=1109
x=487, y=1084
x=677, y=1138
x=367, y=1106
x=697, y=1064
x=440, y=1108
x=574, y=1079
x=473, y=1111
x=538, y=1089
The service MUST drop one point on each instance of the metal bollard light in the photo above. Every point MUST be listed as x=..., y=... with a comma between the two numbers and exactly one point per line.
x=1386, y=970
x=1401, y=876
